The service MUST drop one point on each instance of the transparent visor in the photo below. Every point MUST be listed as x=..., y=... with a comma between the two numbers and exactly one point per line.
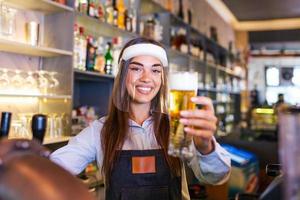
x=136, y=85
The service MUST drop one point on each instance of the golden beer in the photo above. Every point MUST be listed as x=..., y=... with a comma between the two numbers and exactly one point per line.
x=183, y=86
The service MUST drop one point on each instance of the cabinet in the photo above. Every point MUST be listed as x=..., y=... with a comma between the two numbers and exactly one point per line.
x=36, y=79
x=75, y=87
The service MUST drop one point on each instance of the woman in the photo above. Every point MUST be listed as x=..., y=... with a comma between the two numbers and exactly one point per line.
x=130, y=144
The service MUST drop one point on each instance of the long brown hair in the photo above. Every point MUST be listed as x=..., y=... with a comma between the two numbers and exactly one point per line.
x=116, y=127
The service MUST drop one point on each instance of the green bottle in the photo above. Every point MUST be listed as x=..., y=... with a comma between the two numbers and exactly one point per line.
x=108, y=59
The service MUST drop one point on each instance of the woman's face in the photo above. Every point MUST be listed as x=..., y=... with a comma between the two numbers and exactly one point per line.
x=144, y=78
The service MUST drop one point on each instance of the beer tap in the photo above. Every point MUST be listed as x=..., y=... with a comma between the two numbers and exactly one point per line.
x=5, y=124
x=38, y=126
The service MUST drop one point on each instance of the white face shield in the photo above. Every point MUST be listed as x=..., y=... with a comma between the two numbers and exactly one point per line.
x=122, y=97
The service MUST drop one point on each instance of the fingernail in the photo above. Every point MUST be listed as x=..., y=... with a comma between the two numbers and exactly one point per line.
x=182, y=120
x=22, y=144
x=193, y=99
x=186, y=129
x=45, y=154
x=183, y=112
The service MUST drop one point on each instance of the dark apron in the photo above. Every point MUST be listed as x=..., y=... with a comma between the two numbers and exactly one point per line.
x=128, y=185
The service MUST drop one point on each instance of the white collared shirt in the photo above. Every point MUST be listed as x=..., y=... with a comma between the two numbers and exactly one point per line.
x=84, y=148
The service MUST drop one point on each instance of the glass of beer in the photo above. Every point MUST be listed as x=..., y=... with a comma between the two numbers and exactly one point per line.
x=183, y=86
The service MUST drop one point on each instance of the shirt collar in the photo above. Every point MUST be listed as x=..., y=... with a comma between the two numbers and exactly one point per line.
x=132, y=123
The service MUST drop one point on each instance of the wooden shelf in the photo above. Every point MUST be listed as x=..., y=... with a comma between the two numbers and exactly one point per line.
x=37, y=96
x=26, y=49
x=94, y=74
x=149, y=7
x=96, y=27
x=46, y=6
x=56, y=140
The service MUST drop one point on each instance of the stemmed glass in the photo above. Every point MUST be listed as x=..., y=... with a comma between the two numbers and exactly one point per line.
x=30, y=81
x=43, y=81
x=4, y=79
x=17, y=80
x=53, y=81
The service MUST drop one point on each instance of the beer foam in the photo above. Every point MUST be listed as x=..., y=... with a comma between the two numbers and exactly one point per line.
x=183, y=81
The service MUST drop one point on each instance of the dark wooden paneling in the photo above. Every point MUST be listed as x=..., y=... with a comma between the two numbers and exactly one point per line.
x=263, y=9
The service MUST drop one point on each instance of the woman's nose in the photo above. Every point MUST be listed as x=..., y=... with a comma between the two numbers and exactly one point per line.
x=146, y=76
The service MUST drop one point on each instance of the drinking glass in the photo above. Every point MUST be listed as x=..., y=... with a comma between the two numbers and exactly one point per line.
x=8, y=20
x=183, y=86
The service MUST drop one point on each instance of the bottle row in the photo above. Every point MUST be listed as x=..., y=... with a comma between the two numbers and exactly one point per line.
x=113, y=12
x=95, y=54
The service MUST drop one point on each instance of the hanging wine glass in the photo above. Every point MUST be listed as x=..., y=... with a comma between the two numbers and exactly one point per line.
x=30, y=81
x=4, y=79
x=53, y=81
x=17, y=80
x=43, y=81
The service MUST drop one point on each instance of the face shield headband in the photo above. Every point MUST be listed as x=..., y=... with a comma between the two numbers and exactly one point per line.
x=145, y=50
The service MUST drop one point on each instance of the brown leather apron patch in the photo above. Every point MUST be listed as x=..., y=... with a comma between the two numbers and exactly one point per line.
x=143, y=164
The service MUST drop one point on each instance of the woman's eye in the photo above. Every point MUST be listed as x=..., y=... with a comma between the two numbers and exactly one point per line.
x=156, y=71
x=135, y=68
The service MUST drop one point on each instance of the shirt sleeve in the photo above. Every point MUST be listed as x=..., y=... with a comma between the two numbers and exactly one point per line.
x=213, y=168
x=81, y=150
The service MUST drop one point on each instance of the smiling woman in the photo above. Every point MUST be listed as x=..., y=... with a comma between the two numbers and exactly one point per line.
x=131, y=143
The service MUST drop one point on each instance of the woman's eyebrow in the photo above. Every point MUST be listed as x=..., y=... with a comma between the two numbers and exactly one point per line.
x=157, y=65
x=136, y=63
x=140, y=64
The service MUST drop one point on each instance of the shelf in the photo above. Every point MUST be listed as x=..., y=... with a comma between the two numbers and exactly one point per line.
x=26, y=49
x=149, y=7
x=227, y=71
x=79, y=74
x=37, y=96
x=56, y=140
x=94, y=27
x=46, y=6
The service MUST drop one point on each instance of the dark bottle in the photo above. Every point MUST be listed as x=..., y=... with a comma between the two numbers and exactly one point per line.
x=108, y=59
x=115, y=13
x=5, y=124
x=180, y=11
x=91, y=8
x=38, y=126
x=90, y=54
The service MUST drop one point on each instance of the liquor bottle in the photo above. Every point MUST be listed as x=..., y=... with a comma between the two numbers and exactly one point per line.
x=131, y=17
x=117, y=46
x=108, y=59
x=158, y=28
x=83, y=46
x=91, y=8
x=100, y=60
x=180, y=11
x=169, y=5
x=76, y=50
x=76, y=4
x=100, y=13
x=5, y=124
x=109, y=12
x=90, y=54
x=83, y=6
x=115, y=13
x=149, y=28
x=121, y=14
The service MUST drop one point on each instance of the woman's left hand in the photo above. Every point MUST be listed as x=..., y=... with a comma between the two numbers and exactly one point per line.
x=201, y=124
